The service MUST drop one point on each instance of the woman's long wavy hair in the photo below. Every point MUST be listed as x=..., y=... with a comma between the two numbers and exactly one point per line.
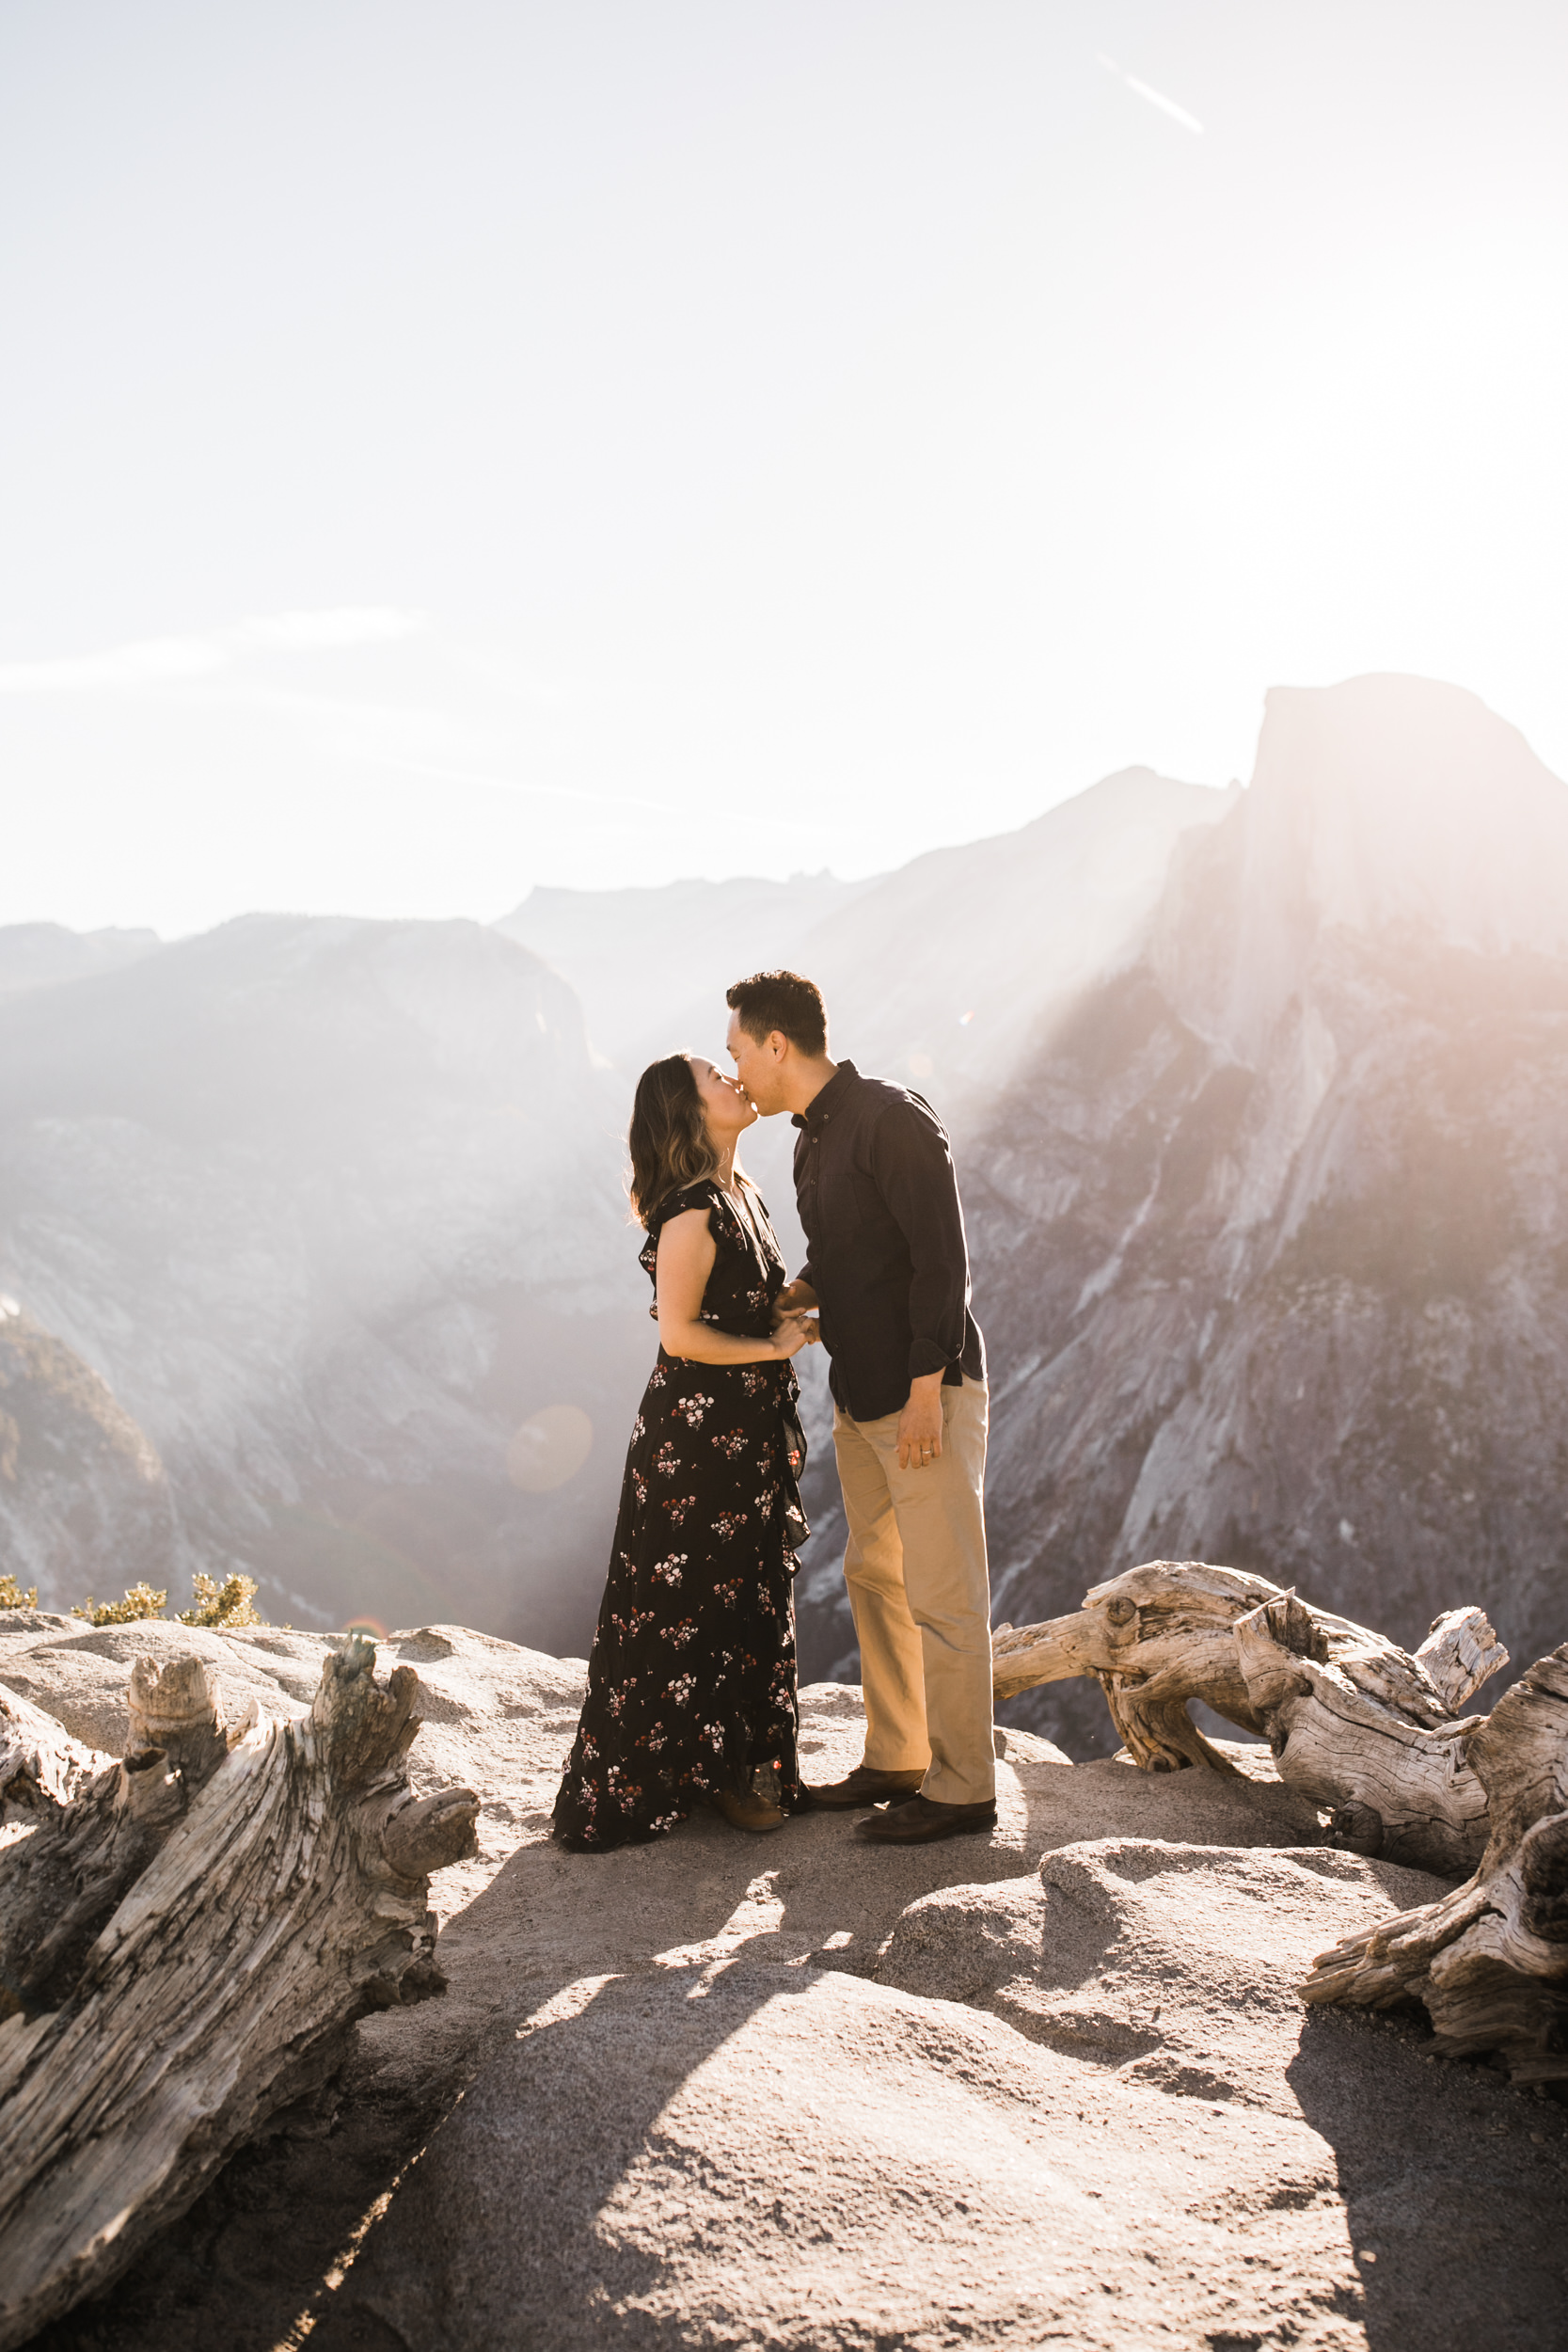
x=669, y=1138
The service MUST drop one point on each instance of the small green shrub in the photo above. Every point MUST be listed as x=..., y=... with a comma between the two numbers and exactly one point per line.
x=140, y=1601
x=222, y=1605
x=219, y=1606
x=12, y=1596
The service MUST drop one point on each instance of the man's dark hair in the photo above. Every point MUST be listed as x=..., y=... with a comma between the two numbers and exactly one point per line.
x=782, y=1000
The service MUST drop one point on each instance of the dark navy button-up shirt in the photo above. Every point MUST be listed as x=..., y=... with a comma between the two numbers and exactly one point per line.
x=885, y=1239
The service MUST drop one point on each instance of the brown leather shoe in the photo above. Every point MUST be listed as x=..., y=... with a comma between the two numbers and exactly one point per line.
x=865, y=1786
x=748, y=1812
x=922, y=1820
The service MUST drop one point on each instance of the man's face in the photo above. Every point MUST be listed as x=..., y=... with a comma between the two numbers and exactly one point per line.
x=756, y=1065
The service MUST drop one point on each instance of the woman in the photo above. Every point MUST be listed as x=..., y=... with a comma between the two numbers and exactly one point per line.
x=691, y=1681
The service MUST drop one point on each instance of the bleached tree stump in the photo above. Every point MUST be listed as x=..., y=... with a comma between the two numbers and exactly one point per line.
x=1354, y=1723
x=184, y=1947
x=1489, y=1962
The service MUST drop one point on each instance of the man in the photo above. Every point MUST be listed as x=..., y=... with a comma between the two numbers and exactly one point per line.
x=888, y=1269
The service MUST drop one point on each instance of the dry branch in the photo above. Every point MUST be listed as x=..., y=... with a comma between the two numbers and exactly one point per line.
x=1490, y=1962
x=1153, y=1639
x=182, y=1948
x=1354, y=1723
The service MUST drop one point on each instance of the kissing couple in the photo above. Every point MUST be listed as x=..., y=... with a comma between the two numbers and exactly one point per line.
x=691, y=1683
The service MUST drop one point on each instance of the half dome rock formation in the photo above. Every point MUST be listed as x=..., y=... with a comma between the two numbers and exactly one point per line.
x=1051, y=2085
x=84, y=1501
x=1270, y=1237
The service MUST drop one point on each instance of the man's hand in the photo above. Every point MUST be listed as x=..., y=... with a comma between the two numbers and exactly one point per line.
x=796, y=1299
x=920, y=1423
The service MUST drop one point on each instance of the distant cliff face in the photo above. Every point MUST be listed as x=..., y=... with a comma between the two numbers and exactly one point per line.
x=83, y=1496
x=650, y=966
x=1272, y=1240
x=334, y=1208
x=948, y=973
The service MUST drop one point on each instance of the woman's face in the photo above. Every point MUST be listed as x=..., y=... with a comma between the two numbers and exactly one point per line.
x=726, y=1106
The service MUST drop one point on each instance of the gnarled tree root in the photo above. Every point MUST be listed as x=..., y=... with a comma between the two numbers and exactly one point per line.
x=184, y=1946
x=1357, y=1724
x=1490, y=1962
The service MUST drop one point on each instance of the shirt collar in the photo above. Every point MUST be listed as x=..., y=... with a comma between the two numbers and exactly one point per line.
x=824, y=1105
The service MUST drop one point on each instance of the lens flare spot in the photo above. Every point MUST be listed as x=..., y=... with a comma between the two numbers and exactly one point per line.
x=549, y=1448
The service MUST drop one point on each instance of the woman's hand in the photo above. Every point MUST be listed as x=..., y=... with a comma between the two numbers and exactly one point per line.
x=686, y=1251
x=793, y=1332
x=794, y=1298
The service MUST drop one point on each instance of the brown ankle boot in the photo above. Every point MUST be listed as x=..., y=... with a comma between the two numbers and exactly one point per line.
x=748, y=1812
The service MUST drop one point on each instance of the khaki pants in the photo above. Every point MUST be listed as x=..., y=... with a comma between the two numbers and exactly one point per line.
x=915, y=1566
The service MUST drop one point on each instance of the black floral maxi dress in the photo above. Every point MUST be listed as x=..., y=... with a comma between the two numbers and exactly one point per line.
x=691, y=1678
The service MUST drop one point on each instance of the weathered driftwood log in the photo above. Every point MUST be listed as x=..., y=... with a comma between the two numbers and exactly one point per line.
x=1356, y=1724
x=1384, y=1752
x=1490, y=1962
x=42, y=1766
x=182, y=1948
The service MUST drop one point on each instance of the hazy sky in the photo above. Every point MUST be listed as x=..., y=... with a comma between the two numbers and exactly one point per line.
x=452, y=447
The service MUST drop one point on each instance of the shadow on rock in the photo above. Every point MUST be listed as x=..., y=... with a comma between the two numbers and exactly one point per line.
x=1455, y=2211
x=499, y=2232
x=760, y=2154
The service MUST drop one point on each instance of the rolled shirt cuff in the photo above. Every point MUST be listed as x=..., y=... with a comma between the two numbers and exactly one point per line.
x=926, y=1357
